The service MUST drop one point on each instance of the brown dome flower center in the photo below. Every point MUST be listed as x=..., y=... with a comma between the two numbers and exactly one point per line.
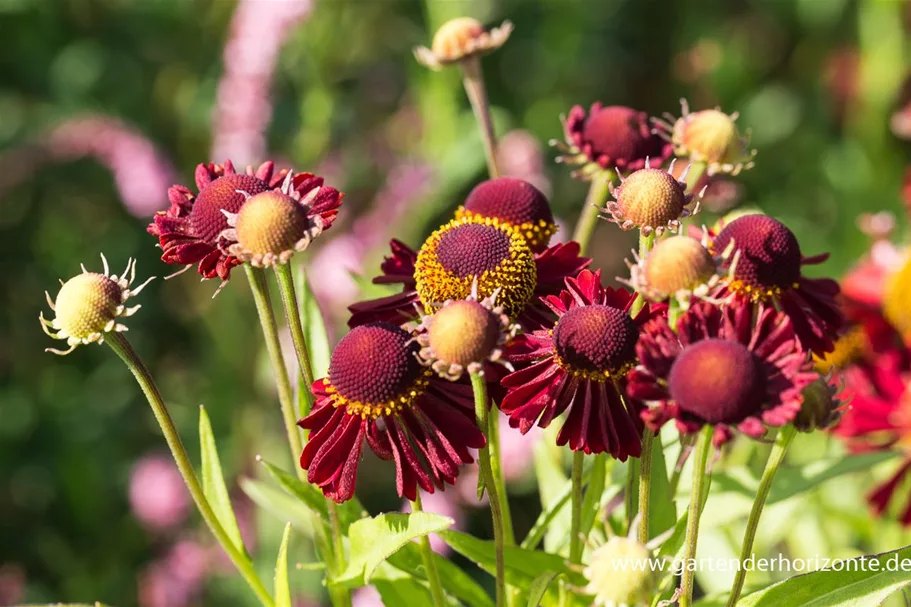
x=618, y=132
x=769, y=254
x=598, y=341
x=678, y=263
x=270, y=222
x=651, y=197
x=86, y=304
x=461, y=252
x=375, y=364
x=718, y=381
x=206, y=217
x=463, y=332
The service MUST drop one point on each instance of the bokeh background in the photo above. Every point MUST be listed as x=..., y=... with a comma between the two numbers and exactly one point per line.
x=105, y=103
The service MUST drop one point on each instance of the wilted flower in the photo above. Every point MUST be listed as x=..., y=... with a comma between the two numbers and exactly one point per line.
x=378, y=390
x=708, y=136
x=195, y=229
x=459, y=39
x=613, y=137
x=90, y=305
x=679, y=267
x=463, y=335
x=720, y=369
x=516, y=203
x=768, y=270
x=621, y=574
x=580, y=364
x=650, y=200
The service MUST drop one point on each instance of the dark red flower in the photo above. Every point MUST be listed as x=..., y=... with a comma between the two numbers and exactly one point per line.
x=768, y=270
x=580, y=364
x=722, y=370
x=613, y=137
x=192, y=230
x=378, y=391
x=516, y=203
x=462, y=252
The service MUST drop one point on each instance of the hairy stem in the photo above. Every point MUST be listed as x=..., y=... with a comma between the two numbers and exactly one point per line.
x=433, y=576
x=473, y=80
x=594, y=202
x=496, y=467
x=493, y=494
x=292, y=314
x=703, y=447
x=782, y=442
x=125, y=351
x=645, y=484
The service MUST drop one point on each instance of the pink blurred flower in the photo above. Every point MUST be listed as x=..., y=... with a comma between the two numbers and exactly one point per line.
x=177, y=579
x=243, y=107
x=158, y=496
x=519, y=154
x=12, y=584
x=865, y=282
x=366, y=596
x=439, y=502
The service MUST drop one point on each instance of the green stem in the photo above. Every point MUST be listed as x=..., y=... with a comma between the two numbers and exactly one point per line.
x=273, y=346
x=646, y=242
x=292, y=314
x=575, y=526
x=703, y=447
x=496, y=467
x=594, y=202
x=645, y=483
x=493, y=494
x=125, y=351
x=694, y=175
x=473, y=80
x=782, y=442
x=433, y=576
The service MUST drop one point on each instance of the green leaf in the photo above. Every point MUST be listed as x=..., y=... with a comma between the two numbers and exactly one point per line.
x=313, y=498
x=278, y=503
x=314, y=328
x=213, y=481
x=553, y=508
x=522, y=566
x=401, y=589
x=373, y=540
x=455, y=581
x=551, y=480
x=598, y=476
x=282, y=591
x=539, y=587
x=662, y=509
x=854, y=584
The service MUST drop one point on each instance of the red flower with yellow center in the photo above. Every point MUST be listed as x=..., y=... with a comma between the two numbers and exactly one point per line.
x=720, y=369
x=767, y=264
x=613, y=137
x=377, y=390
x=516, y=203
x=580, y=364
x=192, y=230
x=468, y=250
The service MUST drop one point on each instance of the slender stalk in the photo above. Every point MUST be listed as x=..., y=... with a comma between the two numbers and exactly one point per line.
x=646, y=242
x=292, y=314
x=496, y=467
x=594, y=202
x=125, y=351
x=645, y=484
x=493, y=493
x=473, y=80
x=433, y=576
x=782, y=442
x=270, y=333
x=575, y=526
x=703, y=447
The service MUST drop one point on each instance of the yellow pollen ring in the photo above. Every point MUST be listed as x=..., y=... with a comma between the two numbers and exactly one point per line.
x=595, y=376
x=754, y=293
x=536, y=234
x=375, y=410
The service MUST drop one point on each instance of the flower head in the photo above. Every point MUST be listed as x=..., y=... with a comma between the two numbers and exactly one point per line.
x=195, y=229
x=460, y=39
x=271, y=226
x=516, y=203
x=822, y=407
x=679, y=267
x=721, y=370
x=90, y=305
x=462, y=253
x=708, y=136
x=378, y=390
x=463, y=335
x=613, y=137
x=580, y=363
x=768, y=269
x=650, y=200
x=619, y=574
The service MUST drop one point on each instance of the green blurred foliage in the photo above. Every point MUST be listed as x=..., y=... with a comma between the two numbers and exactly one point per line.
x=347, y=89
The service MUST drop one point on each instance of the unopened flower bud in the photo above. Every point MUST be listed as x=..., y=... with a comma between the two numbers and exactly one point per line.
x=619, y=574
